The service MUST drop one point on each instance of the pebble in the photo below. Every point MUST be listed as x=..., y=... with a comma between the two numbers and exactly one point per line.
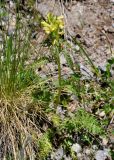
x=102, y=155
x=60, y=112
x=12, y=5
x=62, y=59
x=79, y=156
x=28, y=17
x=77, y=48
x=87, y=151
x=42, y=75
x=58, y=155
x=3, y=23
x=104, y=141
x=76, y=148
x=102, y=114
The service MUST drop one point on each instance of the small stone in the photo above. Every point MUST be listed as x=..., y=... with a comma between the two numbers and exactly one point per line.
x=76, y=148
x=79, y=156
x=77, y=47
x=102, y=114
x=102, y=154
x=60, y=112
x=12, y=5
x=3, y=23
x=58, y=155
x=87, y=151
x=62, y=59
x=104, y=141
x=42, y=75
x=28, y=17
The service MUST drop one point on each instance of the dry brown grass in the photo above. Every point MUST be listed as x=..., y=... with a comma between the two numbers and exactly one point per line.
x=19, y=127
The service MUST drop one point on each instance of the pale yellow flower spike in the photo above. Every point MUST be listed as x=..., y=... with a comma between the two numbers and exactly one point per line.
x=54, y=25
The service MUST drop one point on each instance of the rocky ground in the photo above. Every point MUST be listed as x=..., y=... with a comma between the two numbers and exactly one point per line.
x=91, y=21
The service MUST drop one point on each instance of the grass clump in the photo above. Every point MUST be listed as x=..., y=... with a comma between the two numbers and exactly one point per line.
x=17, y=108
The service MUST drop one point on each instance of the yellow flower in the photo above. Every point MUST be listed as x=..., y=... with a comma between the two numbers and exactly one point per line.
x=60, y=22
x=54, y=25
x=46, y=27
